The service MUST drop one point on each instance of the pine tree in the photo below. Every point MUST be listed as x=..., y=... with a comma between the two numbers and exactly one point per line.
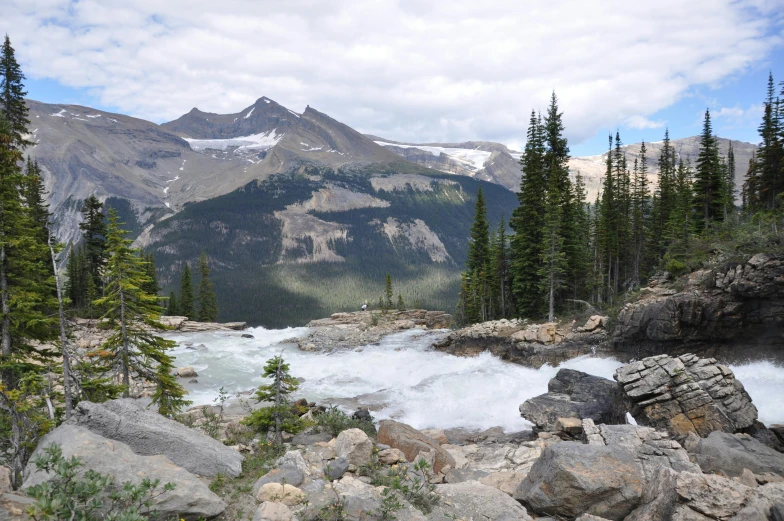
x=186, y=293
x=770, y=153
x=554, y=264
x=708, y=178
x=401, y=305
x=640, y=211
x=750, y=190
x=664, y=198
x=528, y=224
x=208, y=305
x=279, y=416
x=12, y=94
x=151, y=286
x=479, y=246
x=132, y=314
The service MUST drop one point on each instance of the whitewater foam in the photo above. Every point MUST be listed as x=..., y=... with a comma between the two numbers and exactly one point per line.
x=404, y=379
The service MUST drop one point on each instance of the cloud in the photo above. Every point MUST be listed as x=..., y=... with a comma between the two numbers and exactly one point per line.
x=404, y=69
x=641, y=122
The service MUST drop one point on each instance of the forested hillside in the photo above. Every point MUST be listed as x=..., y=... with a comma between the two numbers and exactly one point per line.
x=309, y=243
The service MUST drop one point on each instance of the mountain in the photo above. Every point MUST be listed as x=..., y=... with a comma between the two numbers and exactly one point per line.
x=496, y=163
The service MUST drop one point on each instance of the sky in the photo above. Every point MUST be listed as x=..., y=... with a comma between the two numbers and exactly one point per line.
x=414, y=70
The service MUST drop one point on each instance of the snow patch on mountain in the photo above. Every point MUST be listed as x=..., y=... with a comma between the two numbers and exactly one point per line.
x=250, y=112
x=472, y=158
x=254, y=141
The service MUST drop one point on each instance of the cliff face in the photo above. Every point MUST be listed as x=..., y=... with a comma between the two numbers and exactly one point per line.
x=736, y=313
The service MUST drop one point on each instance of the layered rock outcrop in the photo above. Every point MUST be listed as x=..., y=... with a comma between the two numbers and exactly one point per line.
x=532, y=345
x=732, y=312
x=686, y=394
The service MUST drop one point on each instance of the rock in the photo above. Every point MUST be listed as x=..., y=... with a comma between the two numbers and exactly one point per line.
x=733, y=453
x=462, y=475
x=295, y=459
x=391, y=456
x=246, y=335
x=190, y=499
x=506, y=482
x=777, y=512
x=287, y=474
x=571, y=479
x=5, y=479
x=574, y=394
x=186, y=372
x=362, y=414
x=311, y=439
x=571, y=426
x=436, y=434
x=355, y=446
x=289, y=495
x=409, y=440
x=766, y=436
x=336, y=468
x=589, y=517
x=712, y=496
x=747, y=478
x=595, y=322
x=685, y=394
x=472, y=500
x=273, y=511
x=148, y=433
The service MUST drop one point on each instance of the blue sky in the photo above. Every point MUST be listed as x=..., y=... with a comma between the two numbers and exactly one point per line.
x=421, y=71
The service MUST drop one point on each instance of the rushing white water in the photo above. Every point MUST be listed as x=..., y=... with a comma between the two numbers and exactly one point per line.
x=402, y=378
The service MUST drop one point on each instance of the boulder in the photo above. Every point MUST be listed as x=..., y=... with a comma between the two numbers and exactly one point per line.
x=287, y=474
x=289, y=495
x=571, y=479
x=590, y=517
x=336, y=468
x=355, y=446
x=5, y=479
x=732, y=453
x=391, y=456
x=411, y=442
x=472, y=500
x=190, y=499
x=686, y=394
x=506, y=482
x=574, y=394
x=437, y=435
x=273, y=511
x=186, y=372
x=148, y=433
x=594, y=323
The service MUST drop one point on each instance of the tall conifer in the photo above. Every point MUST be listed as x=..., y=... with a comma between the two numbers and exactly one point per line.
x=186, y=293
x=208, y=305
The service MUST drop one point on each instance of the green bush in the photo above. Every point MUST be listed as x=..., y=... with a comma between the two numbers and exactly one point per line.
x=335, y=421
x=90, y=496
x=263, y=421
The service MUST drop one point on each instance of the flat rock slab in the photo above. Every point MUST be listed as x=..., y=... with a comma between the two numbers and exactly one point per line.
x=731, y=453
x=148, y=433
x=473, y=500
x=190, y=499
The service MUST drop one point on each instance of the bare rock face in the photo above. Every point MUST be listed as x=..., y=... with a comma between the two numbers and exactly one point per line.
x=574, y=394
x=734, y=453
x=727, y=312
x=686, y=394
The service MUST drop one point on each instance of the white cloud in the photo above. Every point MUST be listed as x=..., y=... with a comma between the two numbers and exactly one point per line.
x=641, y=122
x=403, y=69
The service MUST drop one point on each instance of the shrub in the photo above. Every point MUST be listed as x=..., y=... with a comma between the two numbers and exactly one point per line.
x=335, y=421
x=88, y=496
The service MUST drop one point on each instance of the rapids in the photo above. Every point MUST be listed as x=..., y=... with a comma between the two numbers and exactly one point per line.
x=402, y=378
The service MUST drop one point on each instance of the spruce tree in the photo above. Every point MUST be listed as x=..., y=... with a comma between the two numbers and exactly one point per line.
x=640, y=213
x=173, y=309
x=186, y=293
x=151, y=286
x=664, y=198
x=388, y=292
x=479, y=246
x=12, y=94
x=401, y=305
x=133, y=314
x=708, y=178
x=208, y=305
x=528, y=224
x=93, y=228
x=279, y=416
x=770, y=153
x=553, y=266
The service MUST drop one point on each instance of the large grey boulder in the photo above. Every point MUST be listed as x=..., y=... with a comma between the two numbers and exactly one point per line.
x=731, y=453
x=574, y=394
x=472, y=500
x=148, y=433
x=190, y=499
x=571, y=479
x=686, y=394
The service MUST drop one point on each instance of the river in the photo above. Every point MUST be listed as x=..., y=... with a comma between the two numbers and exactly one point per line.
x=404, y=379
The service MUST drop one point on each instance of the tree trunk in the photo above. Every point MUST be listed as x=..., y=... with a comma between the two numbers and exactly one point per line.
x=5, y=341
x=63, y=336
x=125, y=356
x=278, y=436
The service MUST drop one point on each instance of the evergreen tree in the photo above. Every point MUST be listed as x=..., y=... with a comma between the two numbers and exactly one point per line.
x=664, y=197
x=528, y=224
x=12, y=94
x=151, y=286
x=551, y=272
x=174, y=309
x=401, y=305
x=208, y=305
x=388, y=292
x=479, y=246
x=186, y=293
x=728, y=195
x=640, y=212
x=770, y=153
x=708, y=179
x=34, y=195
x=750, y=190
x=279, y=416
x=681, y=224
x=577, y=241
x=132, y=314
x=93, y=228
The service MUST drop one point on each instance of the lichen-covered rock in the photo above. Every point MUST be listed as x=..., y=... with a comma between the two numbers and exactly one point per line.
x=574, y=394
x=685, y=394
x=289, y=495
